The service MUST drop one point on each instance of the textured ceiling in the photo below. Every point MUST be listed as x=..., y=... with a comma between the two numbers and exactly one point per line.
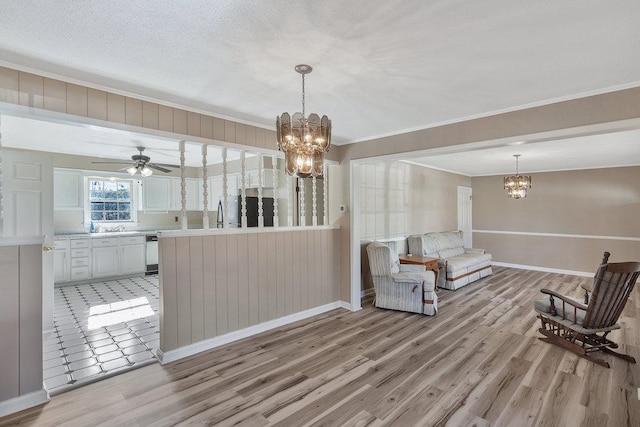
x=380, y=67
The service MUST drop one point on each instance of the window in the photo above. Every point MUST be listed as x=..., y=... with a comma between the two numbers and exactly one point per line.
x=110, y=199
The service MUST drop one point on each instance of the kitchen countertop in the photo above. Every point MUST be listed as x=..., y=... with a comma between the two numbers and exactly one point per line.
x=102, y=235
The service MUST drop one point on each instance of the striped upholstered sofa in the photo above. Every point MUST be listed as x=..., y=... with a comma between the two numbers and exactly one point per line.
x=401, y=287
x=458, y=265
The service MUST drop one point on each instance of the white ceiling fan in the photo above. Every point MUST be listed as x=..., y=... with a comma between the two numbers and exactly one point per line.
x=142, y=164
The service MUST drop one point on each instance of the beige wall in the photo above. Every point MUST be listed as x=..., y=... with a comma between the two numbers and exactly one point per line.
x=21, y=320
x=214, y=284
x=603, y=203
x=397, y=199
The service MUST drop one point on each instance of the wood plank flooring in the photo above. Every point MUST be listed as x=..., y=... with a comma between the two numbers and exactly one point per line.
x=478, y=362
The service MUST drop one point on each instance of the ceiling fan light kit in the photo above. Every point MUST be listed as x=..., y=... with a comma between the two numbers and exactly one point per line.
x=142, y=165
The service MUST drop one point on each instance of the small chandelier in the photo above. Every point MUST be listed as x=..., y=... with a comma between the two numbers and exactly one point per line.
x=517, y=185
x=303, y=139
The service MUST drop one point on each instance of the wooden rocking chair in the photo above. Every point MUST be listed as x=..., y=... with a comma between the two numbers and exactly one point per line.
x=583, y=328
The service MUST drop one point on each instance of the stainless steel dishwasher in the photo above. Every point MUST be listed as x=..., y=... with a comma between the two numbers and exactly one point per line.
x=152, y=254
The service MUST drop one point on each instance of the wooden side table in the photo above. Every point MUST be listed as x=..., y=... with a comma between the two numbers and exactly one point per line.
x=428, y=262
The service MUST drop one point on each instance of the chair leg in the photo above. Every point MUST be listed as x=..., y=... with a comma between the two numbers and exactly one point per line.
x=552, y=338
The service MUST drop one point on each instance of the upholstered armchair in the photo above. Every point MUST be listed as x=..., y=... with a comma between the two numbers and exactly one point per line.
x=401, y=287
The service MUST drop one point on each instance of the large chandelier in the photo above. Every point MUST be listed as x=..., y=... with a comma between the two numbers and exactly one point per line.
x=303, y=139
x=517, y=185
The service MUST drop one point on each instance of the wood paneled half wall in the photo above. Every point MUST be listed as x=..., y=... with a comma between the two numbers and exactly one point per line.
x=217, y=286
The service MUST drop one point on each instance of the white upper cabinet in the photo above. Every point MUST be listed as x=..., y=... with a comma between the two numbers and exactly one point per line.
x=157, y=194
x=193, y=197
x=68, y=189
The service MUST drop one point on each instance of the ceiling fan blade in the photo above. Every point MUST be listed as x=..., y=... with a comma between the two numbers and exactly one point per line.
x=158, y=168
x=164, y=165
x=113, y=163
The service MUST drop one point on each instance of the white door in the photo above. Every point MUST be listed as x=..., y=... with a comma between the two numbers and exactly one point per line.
x=464, y=215
x=132, y=259
x=104, y=261
x=28, y=210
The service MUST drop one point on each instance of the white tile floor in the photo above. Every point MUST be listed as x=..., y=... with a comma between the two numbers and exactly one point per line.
x=101, y=329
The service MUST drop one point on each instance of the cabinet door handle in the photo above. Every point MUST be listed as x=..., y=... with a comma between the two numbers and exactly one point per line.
x=47, y=248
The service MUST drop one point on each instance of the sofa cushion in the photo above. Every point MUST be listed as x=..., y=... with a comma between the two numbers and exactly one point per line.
x=448, y=253
x=465, y=261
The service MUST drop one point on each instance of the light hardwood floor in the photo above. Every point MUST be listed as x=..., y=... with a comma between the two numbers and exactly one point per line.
x=478, y=362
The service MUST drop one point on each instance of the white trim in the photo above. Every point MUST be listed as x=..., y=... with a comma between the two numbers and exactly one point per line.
x=26, y=401
x=572, y=236
x=354, y=219
x=345, y=305
x=521, y=107
x=422, y=165
x=200, y=346
x=21, y=241
x=545, y=269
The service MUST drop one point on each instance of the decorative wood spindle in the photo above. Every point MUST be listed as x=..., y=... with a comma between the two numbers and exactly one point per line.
x=325, y=219
x=205, y=194
x=274, y=164
x=314, y=201
x=225, y=190
x=183, y=188
x=243, y=201
x=290, y=199
x=303, y=210
x=260, y=185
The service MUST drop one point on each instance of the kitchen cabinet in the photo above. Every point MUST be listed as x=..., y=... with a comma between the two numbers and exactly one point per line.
x=132, y=254
x=104, y=257
x=156, y=194
x=193, y=196
x=68, y=189
x=80, y=259
x=61, y=266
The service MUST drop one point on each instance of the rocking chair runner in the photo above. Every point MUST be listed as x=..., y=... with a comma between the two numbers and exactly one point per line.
x=583, y=328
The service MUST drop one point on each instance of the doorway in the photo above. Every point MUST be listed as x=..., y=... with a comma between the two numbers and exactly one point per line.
x=464, y=215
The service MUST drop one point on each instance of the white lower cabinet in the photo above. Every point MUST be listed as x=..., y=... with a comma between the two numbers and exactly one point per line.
x=104, y=259
x=132, y=255
x=61, y=260
x=86, y=258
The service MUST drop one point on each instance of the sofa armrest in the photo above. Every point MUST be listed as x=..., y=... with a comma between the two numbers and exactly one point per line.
x=414, y=278
x=475, y=251
x=412, y=268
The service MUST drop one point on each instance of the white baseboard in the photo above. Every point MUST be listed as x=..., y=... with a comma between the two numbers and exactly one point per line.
x=191, y=349
x=545, y=269
x=20, y=403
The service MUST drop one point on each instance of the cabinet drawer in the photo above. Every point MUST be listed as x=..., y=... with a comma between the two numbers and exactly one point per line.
x=79, y=273
x=80, y=243
x=103, y=243
x=132, y=240
x=61, y=244
x=80, y=262
x=82, y=252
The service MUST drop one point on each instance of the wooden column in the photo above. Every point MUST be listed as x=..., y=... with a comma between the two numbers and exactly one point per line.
x=290, y=199
x=183, y=188
x=274, y=165
x=225, y=190
x=303, y=210
x=243, y=198
x=260, y=185
x=314, y=201
x=325, y=218
x=205, y=194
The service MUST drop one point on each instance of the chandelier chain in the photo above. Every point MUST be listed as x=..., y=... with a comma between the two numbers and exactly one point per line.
x=304, y=115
